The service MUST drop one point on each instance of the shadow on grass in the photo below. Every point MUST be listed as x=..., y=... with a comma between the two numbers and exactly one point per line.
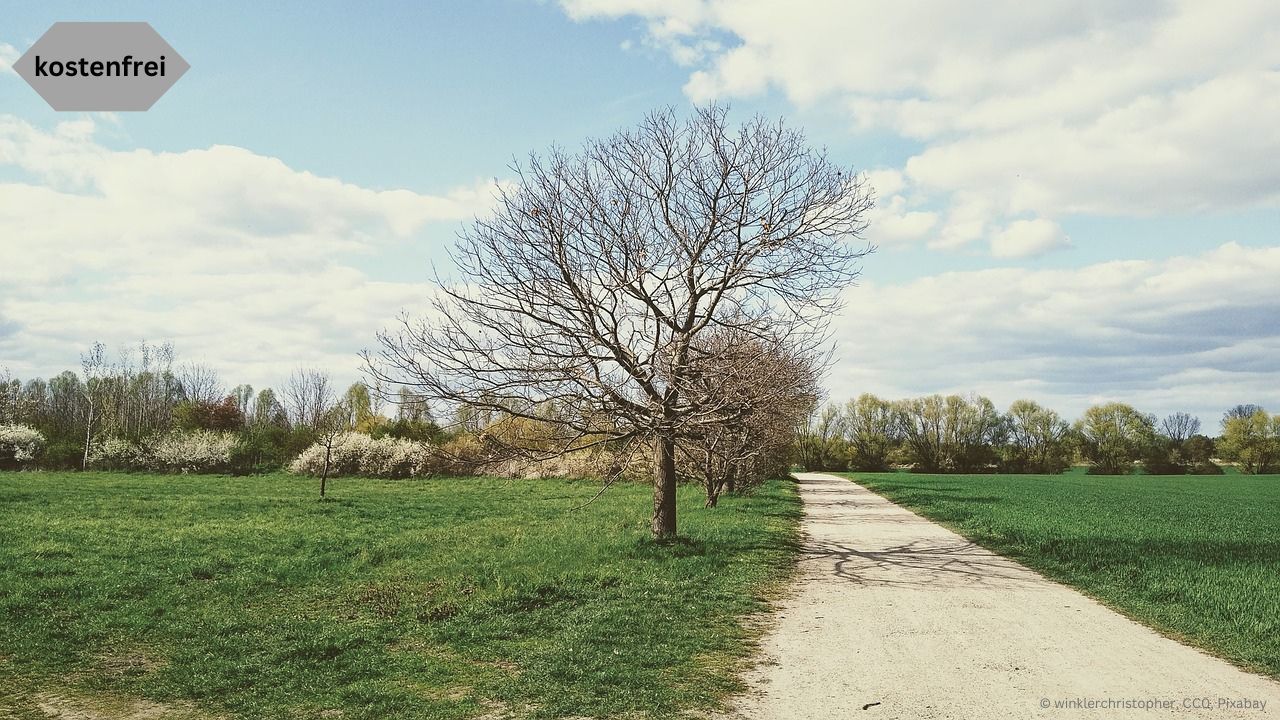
x=678, y=546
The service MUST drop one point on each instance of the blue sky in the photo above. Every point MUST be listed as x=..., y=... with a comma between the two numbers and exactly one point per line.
x=1078, y=201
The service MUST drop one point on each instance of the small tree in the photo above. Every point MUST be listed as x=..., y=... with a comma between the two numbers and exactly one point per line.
x=10, y=397
x=243, y=396
x=364, y=408
x=329, y=427
x=93, y=365
x=267, y=410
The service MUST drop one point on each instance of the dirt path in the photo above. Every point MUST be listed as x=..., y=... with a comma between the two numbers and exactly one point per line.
x=906, y=619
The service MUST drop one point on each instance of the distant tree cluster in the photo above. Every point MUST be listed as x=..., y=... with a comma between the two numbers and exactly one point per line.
x=967, y=434
x=1251, y=437
x=142, y=410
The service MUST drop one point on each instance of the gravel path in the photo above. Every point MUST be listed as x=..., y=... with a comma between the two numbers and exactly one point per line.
x=897, y=617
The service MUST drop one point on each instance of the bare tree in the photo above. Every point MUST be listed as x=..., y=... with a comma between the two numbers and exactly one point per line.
x=93, y=365
x=412, y=406
x=155, y=393
x=267, y=409
x=243, y=395
x=769, y=391
x=589, y=286
x=200, y=383
x=10, y=394
x=331, y=425
x=308, y=394
x=1239, y=412
x=1179, y=426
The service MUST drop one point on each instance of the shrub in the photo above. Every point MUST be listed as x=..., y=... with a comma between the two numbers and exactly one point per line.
x=423, y=431
x=463, y=454
x=20, y=445
x=117, y=454
x=202, y=451
x=224, y=415
x=63, y=453
x=595, y=463
x=358, y=454
x=260, y=448
x=1205, y=468
x=1161, y=456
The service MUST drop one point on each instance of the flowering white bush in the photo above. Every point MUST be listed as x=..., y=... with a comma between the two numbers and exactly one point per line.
x=358, y=454
x=116, y=454
x=19, y=445
x=202, y=451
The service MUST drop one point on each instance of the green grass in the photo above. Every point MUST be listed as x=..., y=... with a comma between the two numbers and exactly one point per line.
x=1197, y=558
x=443, y=598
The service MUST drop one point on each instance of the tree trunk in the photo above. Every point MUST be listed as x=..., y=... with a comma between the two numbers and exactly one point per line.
x=712, y=482
x=664, y=487
x=324, y=475
x=713, y=493
x=88, y=434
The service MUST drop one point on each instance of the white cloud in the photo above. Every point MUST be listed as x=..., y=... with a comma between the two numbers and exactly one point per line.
x=1028, y=238
x=893, y=222
x=886, y=182
x=244, y=262
x=8, y=56
x=1207, y=147
x=1164, y=335
x=895, y=219
x=1047, y=109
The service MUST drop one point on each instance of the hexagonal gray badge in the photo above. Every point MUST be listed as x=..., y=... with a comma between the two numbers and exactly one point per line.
x=101, y=66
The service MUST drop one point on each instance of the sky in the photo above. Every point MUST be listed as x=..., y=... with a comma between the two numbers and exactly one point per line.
x=1078, y=202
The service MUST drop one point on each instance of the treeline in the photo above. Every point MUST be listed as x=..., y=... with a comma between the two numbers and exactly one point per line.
x=968, y=434
x=141, y=410
x=144, y=410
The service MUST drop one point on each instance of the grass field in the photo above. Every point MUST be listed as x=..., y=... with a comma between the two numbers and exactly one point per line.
x=1195, y=557
x=446, y=598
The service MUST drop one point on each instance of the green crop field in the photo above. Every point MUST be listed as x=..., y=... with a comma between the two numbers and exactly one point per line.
x=1196, y=557
x=445, y=598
